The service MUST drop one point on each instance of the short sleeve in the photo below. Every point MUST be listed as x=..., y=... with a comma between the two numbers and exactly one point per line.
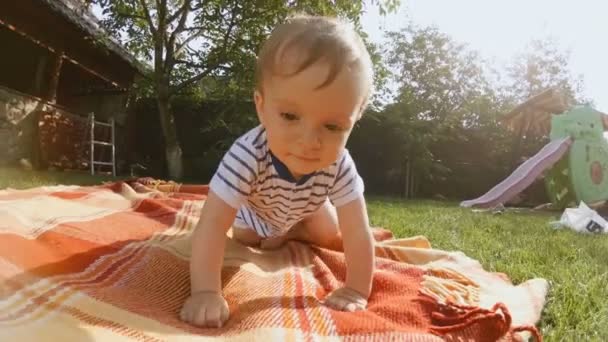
x=348, y=185
x=236, y=174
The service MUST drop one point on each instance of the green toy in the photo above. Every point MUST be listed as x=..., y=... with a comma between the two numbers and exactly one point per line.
x=582, y=173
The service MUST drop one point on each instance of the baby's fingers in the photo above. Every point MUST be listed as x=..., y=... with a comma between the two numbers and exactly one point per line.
x=187, y=313
x=355, y=306
x=199, y=317
x=213, y=316
x=225, y=314
x=183, y=315
x=336, y=302
x=345, y=300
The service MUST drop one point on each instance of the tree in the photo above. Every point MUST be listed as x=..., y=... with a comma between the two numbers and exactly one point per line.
x=188, y=40
x=442, y=92
x=540, y=66
x=446, y=110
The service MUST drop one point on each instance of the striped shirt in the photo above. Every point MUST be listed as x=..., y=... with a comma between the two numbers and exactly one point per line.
x=267, y=198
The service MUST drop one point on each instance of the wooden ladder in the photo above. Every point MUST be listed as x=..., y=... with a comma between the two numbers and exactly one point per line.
x=110, y=143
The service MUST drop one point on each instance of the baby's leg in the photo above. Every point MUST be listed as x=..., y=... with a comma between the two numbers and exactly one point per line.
x=247, y=237
x=320, y=228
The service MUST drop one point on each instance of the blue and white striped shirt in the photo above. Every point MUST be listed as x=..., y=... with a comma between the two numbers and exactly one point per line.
x=268, y=199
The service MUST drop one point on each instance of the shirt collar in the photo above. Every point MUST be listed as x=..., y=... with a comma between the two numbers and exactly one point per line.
x=284, y=173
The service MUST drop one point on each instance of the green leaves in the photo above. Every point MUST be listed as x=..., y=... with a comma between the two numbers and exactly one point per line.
x=443, y=116
x=216, y=38
x=206, y=49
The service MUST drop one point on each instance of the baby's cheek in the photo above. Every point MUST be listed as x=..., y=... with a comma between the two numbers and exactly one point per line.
x=333, y=155
x=274, y=139
x=283, y=135
x=340, y=144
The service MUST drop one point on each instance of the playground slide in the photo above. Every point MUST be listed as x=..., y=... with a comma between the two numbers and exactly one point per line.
x=523, y=176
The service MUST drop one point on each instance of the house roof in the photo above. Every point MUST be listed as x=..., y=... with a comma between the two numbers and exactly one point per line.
x=78, y=14
x=533, y=116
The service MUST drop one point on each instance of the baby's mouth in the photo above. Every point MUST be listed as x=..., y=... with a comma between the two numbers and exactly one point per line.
x=307, y=159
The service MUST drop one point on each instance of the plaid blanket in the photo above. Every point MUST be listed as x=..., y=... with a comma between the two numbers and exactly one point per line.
x=110, y=263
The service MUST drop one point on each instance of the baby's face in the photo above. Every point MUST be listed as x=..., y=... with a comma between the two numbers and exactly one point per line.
x=307, y=128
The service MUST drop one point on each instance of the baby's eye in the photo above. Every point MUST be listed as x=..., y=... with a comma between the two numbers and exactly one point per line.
x=289, y=116
x=333, y=127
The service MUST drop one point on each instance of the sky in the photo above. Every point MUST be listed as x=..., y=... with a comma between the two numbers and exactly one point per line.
x=501, y=29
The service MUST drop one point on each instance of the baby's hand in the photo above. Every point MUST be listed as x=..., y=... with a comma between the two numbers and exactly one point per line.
x=346, y=299
x=205, y=309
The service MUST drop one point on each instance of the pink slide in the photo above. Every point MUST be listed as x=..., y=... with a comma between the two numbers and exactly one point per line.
x=523, y=176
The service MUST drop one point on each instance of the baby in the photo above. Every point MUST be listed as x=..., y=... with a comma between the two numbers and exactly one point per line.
x=291, y=177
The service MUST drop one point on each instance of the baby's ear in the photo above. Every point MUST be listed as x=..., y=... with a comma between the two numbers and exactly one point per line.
x=258, y=98
x=360, y=113
x=362, y=109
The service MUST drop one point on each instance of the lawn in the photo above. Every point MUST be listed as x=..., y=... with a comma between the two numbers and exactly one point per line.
x=522, y=245
x=22, y=179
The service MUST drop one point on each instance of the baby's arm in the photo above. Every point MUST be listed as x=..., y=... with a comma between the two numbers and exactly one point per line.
x=206, y=305
x=359, y=252
x=208, y=243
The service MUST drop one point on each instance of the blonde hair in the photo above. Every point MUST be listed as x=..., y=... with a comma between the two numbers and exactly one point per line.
x=314, y=38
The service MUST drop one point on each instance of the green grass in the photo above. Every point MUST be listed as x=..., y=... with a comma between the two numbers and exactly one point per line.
x=18, y=178
x=524, y=246
x=521, y=245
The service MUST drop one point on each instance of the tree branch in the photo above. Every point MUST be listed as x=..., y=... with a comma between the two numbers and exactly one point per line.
x=187, y=63
x=201, y=5
x=185, y=7
x=159, y=44
x=230, y=26
x=170, y=47
x=161, y=8
x=144, y=6
x=190, y=64
x=194, y=28
x=194, y=79
x=222, y=51
x=130, y=16
x=185, y=43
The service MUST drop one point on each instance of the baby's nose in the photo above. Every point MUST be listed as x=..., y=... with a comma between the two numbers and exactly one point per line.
x=311, y=138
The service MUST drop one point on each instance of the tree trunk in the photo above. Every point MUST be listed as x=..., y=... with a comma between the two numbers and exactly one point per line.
x=131, y=153
x=55, y=75
x=41, y=67
x=51, y=96
x=173, y=151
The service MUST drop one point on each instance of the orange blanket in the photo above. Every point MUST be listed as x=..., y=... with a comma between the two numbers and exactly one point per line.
x=110, y=263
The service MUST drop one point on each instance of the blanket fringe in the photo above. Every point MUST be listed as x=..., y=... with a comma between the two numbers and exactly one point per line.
x=468, y=317
x=531, y=329
x=459, y=317
x=446, y=285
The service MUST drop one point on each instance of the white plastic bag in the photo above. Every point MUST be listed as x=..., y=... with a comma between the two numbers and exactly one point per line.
x=583, y=220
